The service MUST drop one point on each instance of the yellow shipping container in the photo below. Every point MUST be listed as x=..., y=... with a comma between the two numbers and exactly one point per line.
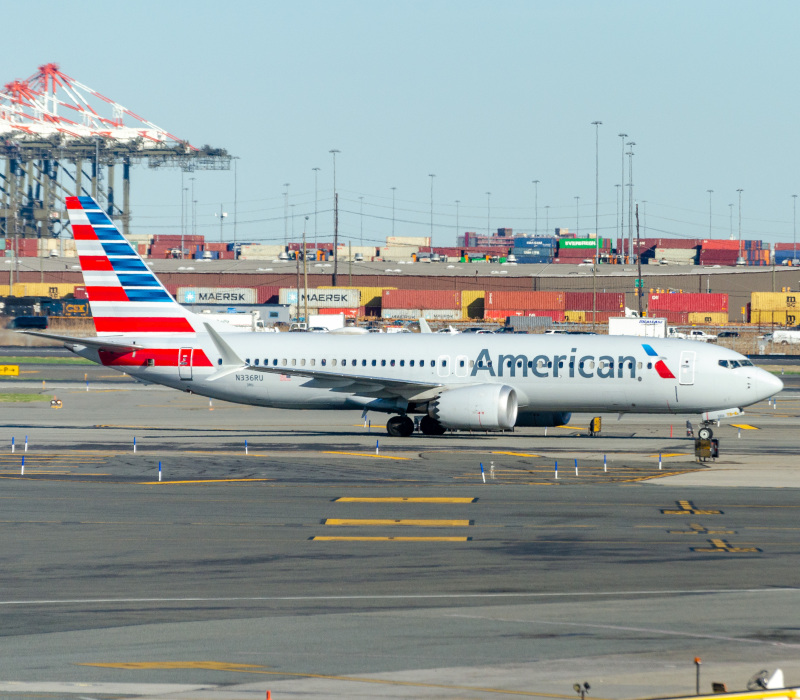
x=716, y=318
x=472, y=304
x=575, y=316
x=3, y=290
x=43, y=289
x=774, y=301
x=777, y=318
x=370, y=296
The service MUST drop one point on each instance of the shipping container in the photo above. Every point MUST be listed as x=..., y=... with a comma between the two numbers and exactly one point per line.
x=687, y=302
x=606, y=301
x=80, y=292
x=342, y=298
x=472, y=303
x=75, y=308
x=370, y=296
x=673, y=317
x=524, y=300
x=216, y=295
x=583, y=243
x=774, y=318
x=421, y=299
x=348, y=313
x=718, y=318
x=774, y=301
x=575, y=316
x=677, y=254
x=555, y=315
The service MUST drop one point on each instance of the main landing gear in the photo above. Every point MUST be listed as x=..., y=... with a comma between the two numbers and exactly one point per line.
x=403, y=426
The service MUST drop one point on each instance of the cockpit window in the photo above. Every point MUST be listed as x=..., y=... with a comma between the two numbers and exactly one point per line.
x=733, y=364
x=745, y=363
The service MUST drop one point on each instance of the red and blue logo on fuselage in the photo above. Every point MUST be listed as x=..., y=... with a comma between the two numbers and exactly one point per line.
x=663, y=371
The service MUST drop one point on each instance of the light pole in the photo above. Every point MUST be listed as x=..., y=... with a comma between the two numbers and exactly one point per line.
x=547, y=217
x=596, y=125
x=286, y=214
x=361, y=201
x=394, y=189
x=794, y=228
x=194, y=212
x=631, y=144
x=577, y=215
x=730, y=207
x=222, y=214
x=740, y=190
x=458, y=201
x=431, y=176
x=316, y=173
x=710, y=192
x=536, y=207
x=333, y=152
x=619, y=234
x=488, y=213
x=622, y=193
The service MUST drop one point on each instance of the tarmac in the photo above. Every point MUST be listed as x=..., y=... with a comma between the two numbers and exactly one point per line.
x=309, y=555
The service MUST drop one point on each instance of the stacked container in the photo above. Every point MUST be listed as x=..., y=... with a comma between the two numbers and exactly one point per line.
x=775, y=308
x=499, y=305
x=579, y=306
x=539, y=249
x=689, y=307
x=574, y=250
x=435, y=304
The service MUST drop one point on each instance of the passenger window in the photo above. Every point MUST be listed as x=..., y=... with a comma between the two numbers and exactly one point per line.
x=247, y=360
x=638, y=365
x=275, y=362
x=303, y=362
x=353, y=363
x=391, y=363
x=333, y=363
x=283, y=362
x=444, y=363
x=383, y=363
x=471, y=363
x=256, y=362
x=313, y=362
x=363, y=363
x=402, y=363
x=374, y=363
x=461, y=363
x=324, y=362
x=411, y=362
x=649, y=365
x=519, y=363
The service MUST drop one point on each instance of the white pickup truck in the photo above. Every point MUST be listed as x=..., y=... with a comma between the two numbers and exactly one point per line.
x=691, y=334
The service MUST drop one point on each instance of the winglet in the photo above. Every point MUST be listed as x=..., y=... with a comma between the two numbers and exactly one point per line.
x=424, y=327
x=230, y=360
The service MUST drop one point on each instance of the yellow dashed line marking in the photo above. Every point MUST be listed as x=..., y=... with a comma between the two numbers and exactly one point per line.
x=670, y=454
x=412, y=523
x=724, y=546
x=688, y=508
x=406, y=499
x=744, y=426
x=363, y=454
x=516, y=454
x=324, y=538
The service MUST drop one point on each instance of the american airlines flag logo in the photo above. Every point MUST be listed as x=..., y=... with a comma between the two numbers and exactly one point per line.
x=663, y=371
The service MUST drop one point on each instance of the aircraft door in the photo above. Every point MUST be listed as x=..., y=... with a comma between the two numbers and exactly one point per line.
x=443, y=365
x=185, y=363
x=461, y=368
x=686, y=371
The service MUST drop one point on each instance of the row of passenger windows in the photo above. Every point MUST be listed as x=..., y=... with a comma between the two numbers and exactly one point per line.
x=443, y=362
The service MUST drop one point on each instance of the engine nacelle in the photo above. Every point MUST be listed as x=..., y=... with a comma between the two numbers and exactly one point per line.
x=546, y=419
x=484, y=407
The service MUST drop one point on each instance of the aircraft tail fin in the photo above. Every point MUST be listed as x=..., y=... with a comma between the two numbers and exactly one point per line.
x=125, y=297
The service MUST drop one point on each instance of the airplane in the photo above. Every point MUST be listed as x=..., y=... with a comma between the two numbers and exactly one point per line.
x=476, y=382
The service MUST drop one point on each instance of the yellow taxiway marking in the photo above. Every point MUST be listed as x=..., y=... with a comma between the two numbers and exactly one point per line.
x=198, y=481
x=414, y=523
x=570, y=427
x=361, y=425
x=361, y=538
x=744, y=426
x=362, y=454
x=406, y=499
x=670, y=454
x=688, y=508
x=260, y=670
x=724, y=546
x=516, y=454
x=697, y=529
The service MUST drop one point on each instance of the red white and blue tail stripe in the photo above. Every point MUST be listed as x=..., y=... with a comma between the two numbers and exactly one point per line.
x=126, y=298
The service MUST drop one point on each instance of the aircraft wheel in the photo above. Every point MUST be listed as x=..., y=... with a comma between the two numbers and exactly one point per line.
x=431, y=426
x=399, y=426
x=705, y=433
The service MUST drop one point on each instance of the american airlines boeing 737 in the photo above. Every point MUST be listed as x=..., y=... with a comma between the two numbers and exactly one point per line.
x=476, y=382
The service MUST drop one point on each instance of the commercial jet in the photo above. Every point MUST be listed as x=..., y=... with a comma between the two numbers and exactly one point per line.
x=462, y=382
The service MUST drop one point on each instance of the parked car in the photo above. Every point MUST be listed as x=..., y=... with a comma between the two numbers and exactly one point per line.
x=728, y=334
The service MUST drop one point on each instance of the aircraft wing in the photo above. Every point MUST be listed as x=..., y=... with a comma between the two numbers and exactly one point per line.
x=106, y=343
x=355, y=383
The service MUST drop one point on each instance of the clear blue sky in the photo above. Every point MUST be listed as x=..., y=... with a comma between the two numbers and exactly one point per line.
x=487, y=95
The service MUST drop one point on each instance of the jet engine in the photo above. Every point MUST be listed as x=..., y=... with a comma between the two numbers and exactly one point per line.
x=484, y=407
x=543, y=419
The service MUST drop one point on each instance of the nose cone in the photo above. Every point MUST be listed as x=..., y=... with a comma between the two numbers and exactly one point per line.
x=767, y=384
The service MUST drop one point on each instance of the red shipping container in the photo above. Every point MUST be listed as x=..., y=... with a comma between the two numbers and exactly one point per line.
x=584, y=301
x=679, y=317
x=420, y=299
x=348, y=313
x=80, y=292
x=267, y=294
x=689, y=302
x=529, y=301
x=720, y=244
x=499, y=314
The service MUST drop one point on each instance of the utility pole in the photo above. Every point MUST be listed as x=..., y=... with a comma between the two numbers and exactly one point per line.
x=222, y=214
x=639, y=265
x=394, y=189
x=286, y=214
x=710, y=192
x=316, y=172
x=305, y=274
x=431, y=176
x=596, y=125
x=333, y=152
x=622, y=203
x=535, y=207
x=488, y=213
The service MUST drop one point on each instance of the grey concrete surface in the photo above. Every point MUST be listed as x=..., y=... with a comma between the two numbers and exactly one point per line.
x=214, y=584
